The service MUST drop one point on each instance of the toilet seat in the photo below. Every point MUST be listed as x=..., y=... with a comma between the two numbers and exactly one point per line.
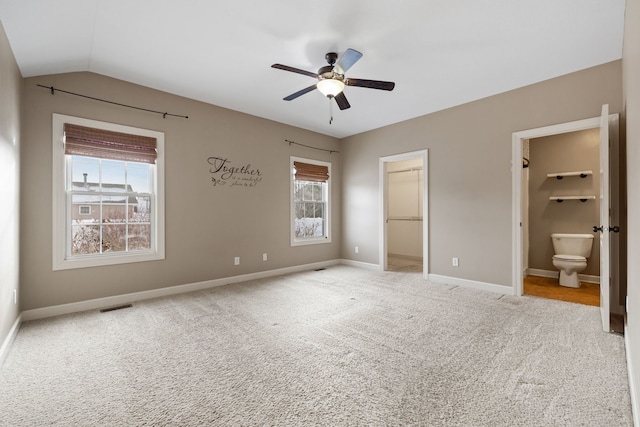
x=569, y=258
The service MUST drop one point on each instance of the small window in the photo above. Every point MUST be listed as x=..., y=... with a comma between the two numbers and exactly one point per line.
x=108, y=193
x=310, y=196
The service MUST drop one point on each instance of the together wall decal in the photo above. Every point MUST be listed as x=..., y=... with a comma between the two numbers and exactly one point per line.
x=223, y=172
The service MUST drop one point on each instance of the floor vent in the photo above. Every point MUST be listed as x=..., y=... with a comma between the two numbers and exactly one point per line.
x=120, y=307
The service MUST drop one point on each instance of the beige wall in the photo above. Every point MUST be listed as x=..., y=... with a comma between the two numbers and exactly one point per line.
x=10, y=84
x=470, y=202
x=631, y=116
x=206, y=226
x=568, y=152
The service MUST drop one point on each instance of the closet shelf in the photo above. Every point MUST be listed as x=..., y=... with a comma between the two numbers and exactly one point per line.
x=560, y=175
x=560, y=199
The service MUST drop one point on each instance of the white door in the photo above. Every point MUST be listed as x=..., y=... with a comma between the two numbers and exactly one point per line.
x=604, y=218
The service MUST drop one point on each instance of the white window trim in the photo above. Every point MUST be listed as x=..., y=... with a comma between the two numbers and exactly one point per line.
x=61, y=218
x=309, y=240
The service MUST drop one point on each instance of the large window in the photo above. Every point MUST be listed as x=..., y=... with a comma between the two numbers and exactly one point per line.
x=108, y=193
x=310, y=195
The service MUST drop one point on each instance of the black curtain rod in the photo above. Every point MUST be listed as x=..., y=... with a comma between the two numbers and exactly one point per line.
x=164, y=114
x=308, y=146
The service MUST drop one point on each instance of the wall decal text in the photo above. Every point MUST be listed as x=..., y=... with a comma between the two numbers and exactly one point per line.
x=223, y=172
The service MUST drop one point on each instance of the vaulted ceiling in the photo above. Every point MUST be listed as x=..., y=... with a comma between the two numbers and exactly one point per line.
x=440, y=53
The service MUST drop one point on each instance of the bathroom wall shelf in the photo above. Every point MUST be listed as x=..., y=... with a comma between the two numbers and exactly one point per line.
x=560, y=175
x=561, y=199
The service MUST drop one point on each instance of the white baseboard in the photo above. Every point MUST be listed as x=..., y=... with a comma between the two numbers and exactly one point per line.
x=632, y=386
x=360, y=264
x=541, y=273
x=9, y=339
x=406, y=256
x=555, y=274
x=473, y=284
x=98, y=303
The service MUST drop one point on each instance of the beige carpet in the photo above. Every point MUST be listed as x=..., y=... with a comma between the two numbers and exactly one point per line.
x=341, y=346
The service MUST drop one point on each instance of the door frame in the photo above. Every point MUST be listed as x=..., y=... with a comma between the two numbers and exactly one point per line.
x=516, y=168
x=383, y=185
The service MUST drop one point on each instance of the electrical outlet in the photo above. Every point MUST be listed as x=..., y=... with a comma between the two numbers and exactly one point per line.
x=15, y=296
x=264, y=256
x=455, y=262
x=236, y=261
x=357, y=249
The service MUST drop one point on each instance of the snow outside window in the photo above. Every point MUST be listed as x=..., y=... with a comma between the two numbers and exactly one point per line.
x=310, y=196
x=106, y=211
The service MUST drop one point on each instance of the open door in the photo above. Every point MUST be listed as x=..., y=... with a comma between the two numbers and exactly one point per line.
x=604, y=220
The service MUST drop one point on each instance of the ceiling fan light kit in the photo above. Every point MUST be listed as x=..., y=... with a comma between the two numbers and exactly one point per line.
x=330, y=87
x=331, y=78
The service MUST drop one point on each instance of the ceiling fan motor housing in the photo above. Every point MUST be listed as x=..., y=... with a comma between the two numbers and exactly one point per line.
x=331, y=58
x=326, y=72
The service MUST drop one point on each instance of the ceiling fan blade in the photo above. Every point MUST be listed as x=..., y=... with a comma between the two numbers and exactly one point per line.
x=346, y=61
x=294, y=70
x=299, y=93
x=371, y=84
x=343, y=104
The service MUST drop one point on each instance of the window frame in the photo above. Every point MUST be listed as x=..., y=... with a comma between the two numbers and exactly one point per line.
x=61, y=239
x=301, y=241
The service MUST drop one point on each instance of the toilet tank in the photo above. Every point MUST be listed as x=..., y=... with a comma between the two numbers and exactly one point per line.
x=572, y=244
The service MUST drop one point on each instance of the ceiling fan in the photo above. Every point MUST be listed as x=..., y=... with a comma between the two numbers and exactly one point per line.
x=332, y=80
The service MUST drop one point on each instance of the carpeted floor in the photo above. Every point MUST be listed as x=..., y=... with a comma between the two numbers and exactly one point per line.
x=341, y=346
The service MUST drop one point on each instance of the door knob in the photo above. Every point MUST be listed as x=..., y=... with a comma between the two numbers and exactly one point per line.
x=596, y=229
x=615, y=229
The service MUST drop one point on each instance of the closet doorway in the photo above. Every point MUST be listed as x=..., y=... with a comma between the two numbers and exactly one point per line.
x=404, y=207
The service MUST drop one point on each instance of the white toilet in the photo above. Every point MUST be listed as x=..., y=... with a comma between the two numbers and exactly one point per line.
x=571, y=253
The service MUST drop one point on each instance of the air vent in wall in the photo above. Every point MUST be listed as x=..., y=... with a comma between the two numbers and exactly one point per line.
x=120, y=307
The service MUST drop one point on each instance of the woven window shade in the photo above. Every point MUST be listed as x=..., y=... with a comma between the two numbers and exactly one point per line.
x=104, y=144
x=309, y=172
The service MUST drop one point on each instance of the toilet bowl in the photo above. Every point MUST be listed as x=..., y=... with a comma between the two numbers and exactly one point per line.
x=571, y=253
x=569, y=266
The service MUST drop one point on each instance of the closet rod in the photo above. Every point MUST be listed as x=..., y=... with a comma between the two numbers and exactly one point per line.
x=406, y=170
x=413, y=218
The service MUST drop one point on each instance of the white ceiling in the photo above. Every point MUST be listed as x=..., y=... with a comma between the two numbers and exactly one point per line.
x=440, y=53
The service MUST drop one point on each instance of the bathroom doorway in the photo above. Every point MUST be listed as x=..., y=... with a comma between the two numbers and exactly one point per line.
x=570, y=194
x=549, y=161
x=404, y=225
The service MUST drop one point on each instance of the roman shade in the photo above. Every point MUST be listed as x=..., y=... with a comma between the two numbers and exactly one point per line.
x=310, y=172
x=105, y=144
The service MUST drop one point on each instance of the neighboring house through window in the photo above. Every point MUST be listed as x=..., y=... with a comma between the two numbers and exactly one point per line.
x=310, y=196
x=108, y=193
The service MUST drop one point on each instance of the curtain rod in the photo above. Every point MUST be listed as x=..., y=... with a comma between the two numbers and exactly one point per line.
x=308, y=146
x=164, y=114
